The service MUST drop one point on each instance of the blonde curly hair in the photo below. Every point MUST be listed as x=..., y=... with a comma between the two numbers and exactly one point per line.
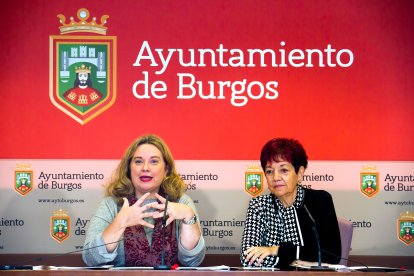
x=121, y=185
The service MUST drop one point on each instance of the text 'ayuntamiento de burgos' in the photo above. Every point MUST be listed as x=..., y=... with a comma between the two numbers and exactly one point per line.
x=238, y=91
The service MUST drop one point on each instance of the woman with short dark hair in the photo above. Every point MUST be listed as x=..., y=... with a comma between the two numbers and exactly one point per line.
x=278, y=228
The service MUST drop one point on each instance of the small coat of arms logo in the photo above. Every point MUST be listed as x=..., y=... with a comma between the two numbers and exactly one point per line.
x=369, y=184
x=23, y=179
x=82, y=67
x=253, y=184
x=405, y=226
x=60, y=225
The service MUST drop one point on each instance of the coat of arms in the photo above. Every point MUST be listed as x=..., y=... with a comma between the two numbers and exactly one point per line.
x=369, y=185
x=82, y=67
x=253, y=184
x=60, y=225
x=23, y=179
x=406, y=228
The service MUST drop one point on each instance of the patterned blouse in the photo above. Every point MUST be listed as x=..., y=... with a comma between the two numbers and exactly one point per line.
x=268, y=223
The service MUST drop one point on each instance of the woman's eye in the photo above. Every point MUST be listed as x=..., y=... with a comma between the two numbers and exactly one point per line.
x=138, y=161
x=267, y=172
x=154, y=161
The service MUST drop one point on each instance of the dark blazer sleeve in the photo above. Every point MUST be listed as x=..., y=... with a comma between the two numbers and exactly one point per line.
x=321, y=207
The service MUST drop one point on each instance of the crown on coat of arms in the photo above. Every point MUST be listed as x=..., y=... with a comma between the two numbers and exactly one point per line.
x=407, y=215
x=253, y=167
x=60, y=212
x=369, y=168
x=83, y=25
x=23, y=166
x=83, y=69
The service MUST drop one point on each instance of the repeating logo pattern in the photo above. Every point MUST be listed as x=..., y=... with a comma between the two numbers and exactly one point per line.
x=23, y=179
x=60, y=225
x=369, y=185
x=253, y=184
x=406, y=227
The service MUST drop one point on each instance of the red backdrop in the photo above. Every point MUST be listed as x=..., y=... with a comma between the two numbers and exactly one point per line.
x=363, y=112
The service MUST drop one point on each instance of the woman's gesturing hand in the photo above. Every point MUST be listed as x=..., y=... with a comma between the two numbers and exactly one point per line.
x=174, y=210
x=135, y=214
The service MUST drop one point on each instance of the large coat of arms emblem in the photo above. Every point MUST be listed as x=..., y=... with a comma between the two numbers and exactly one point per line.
x=82, y=67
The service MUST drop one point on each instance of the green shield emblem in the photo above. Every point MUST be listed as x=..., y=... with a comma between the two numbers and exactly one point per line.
x=23, y=182
x=253, y=183
x=82, y=68
x=406, y=227
x=60, y=226
x=369, y=184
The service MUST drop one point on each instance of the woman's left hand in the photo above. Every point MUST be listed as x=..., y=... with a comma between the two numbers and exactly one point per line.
x=258, y=253
x=174, y=210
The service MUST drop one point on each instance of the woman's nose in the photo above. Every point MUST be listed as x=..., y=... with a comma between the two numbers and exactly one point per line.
x=145, y=167
x=275, y=176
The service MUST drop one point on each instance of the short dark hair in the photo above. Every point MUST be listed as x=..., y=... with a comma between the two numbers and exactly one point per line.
x=284, y=149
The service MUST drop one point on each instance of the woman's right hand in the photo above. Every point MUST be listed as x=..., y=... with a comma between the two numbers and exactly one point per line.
x=127, y=216
x=134, y=214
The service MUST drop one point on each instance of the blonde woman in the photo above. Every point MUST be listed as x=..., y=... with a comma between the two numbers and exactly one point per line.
x=126, y=228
